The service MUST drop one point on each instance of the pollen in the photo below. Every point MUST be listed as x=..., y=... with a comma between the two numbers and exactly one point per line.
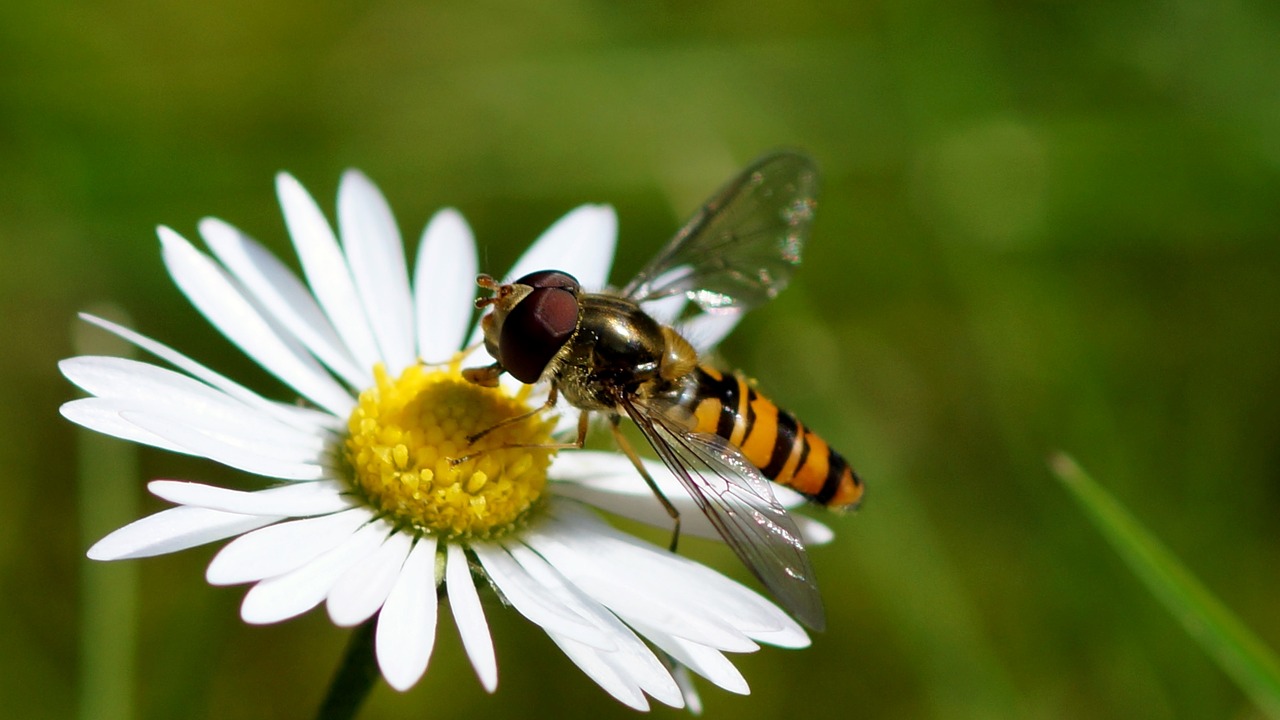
x=412, y=461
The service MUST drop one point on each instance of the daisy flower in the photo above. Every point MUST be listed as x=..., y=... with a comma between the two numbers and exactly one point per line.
x=363, y=507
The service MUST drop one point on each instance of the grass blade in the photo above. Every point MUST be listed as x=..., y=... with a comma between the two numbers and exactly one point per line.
x=107, y=489
x=1236, y=650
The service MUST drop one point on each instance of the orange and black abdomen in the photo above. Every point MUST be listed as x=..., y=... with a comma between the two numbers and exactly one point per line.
x=773, y=439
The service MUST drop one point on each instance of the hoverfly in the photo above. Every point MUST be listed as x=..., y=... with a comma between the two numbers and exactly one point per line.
x=713, y=430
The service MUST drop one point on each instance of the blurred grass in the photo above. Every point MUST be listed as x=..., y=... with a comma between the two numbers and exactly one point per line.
x=107, y=474
x=1236, y=650
x=1043, y=225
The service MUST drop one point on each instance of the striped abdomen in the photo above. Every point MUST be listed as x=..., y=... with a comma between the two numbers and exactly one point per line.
x=773, y=439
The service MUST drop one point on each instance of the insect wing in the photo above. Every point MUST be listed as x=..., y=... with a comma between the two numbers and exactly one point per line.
x=740, y=248
x=740, y=504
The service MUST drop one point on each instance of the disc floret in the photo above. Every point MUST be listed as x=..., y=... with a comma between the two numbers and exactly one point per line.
x=407, y=435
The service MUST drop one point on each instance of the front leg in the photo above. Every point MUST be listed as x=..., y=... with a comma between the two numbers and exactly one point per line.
x=486, y=376
x=583, y=422
x=625, y=445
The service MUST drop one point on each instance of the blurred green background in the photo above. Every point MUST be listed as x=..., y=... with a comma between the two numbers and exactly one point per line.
x=1044, y=225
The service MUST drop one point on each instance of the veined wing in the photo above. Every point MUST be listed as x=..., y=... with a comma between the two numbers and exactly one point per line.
x=740, y=248
x=740, y=504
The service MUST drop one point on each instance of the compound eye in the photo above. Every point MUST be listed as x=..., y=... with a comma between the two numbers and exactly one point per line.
x=537, y=327
x=550, y=279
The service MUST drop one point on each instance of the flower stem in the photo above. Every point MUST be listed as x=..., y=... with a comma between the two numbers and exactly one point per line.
x=354, y=678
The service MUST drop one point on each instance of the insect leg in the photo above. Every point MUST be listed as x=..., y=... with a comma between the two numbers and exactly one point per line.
x=577, y=443
x=486, y=376
x=550, y=403
x=629, y=451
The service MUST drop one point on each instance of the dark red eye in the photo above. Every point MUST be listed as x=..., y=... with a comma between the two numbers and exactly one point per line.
x=539, y=325
x=550, y=279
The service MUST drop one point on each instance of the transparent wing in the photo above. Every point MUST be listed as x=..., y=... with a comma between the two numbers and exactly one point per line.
x=741, y=506
x=740, y=248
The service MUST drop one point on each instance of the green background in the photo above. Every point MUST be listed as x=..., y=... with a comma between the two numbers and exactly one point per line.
x=1045, y=225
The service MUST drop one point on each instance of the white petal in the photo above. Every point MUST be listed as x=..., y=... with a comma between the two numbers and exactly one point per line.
x=297, y=500
x=565, y=594
x=792, y=636
x=173, y=530
x=581, y=243
x=217, y=298
x=407, y=626
x=142, y=383
x=282, y=295
x=666, y=310
x=247, y=430
x=707, y=662
x=305, y=417
x=289, y=595
x=812, y=531
x=222, y=448
x=138, y=386
x=641, y=669
x=745, y=609
x=116, y=377
x=375, y=254
x=634, y=586
x=364, y=588
x=104, y=416
x=788, y=497
x=283, y=547
x=326, y=269
x=704, y=332
x=300, y=417
x=476, y=354
x=595, y=663
x=611, y=472
x=609, y=482
x=534, y=601
x=644, y=507
x=444, y=281
x=631, y=657
x=468, y=615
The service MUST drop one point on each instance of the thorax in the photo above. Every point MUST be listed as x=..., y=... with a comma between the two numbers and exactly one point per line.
x=617, y=352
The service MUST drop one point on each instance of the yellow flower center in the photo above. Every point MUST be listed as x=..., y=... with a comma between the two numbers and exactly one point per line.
x=406, y=435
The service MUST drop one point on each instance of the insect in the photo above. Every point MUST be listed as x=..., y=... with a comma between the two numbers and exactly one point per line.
x=715, y=432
